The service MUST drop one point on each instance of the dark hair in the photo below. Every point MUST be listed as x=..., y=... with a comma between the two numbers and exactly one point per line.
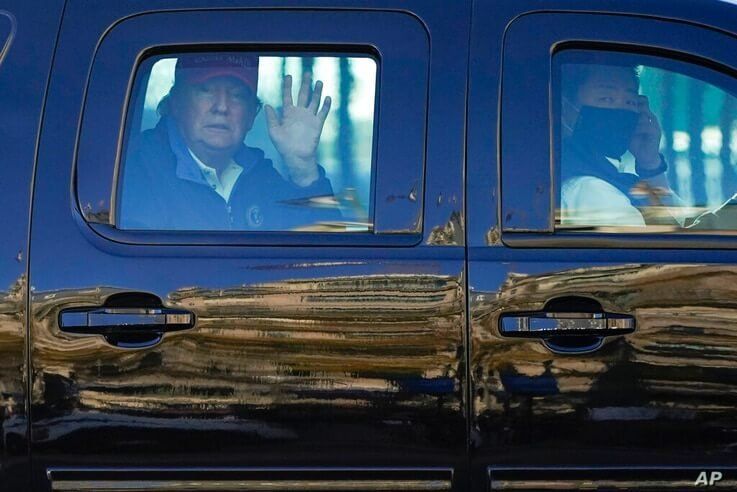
x=574, y=75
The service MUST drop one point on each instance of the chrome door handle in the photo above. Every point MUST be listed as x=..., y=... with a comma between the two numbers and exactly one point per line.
x=544, y=324
x=123, y=326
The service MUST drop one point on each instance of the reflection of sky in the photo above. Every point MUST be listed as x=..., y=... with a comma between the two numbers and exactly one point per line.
x=360, y=110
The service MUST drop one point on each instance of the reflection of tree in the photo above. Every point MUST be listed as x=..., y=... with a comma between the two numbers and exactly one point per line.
x=690, y=105
x=12, y=365
x=342, y=342
x=678, y=365
x=449, y=233
x=308, y=63
x=668, y=123
x=345, y=125
x=695, y=153
x=726, y=119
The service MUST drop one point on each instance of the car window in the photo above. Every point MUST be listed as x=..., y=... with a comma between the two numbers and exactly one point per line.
x=249, y=141
x=643, y=144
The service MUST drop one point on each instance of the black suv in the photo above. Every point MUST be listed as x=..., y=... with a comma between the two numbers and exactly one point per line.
x=345, y=245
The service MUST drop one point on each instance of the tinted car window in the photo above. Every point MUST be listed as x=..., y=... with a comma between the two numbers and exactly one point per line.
x=249, y=141
x=645, y=144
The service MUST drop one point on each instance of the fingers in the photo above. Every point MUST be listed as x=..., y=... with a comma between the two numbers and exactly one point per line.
x=646, y=139
x=271, y=118
x=323, y=113
x=647, y=124
x=287, y=92
x=316, y=95
x=643, y=105
x=304, y=90
x=306, y=98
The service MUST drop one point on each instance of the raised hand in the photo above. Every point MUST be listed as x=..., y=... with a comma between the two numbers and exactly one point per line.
x=297, y=134
x=645, y=143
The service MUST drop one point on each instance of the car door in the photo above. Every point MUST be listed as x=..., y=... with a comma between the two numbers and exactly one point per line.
x=602, y=347
x=27, y=40
x=250, y=360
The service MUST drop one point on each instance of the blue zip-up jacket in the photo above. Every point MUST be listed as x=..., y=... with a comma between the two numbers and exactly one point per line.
x=164, y=189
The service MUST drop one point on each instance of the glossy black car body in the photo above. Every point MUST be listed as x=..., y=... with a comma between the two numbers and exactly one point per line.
x=354, y=362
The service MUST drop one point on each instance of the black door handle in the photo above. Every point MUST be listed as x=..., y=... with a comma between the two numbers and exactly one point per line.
x=543, y=324
x=568, y=325
x=126, y=327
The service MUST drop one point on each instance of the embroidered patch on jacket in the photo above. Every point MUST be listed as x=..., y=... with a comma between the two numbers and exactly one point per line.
x=254, y=216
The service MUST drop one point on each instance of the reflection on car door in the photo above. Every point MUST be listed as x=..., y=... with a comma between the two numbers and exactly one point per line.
x=27, y=36
x=314, y=363
x=561, y=396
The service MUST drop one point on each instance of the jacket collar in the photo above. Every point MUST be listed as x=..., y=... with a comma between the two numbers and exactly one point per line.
x=187, y=168
x=579, y=160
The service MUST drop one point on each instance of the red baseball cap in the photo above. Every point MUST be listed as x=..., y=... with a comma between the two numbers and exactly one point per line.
x=196, y=68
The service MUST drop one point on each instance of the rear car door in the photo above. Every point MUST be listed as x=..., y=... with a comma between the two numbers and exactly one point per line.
x=318, y=360
x=602, y=334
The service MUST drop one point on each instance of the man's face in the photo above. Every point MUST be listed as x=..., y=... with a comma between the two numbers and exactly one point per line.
x=214, y=116
x=609, y=87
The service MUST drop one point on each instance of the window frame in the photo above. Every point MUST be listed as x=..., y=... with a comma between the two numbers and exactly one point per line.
x=530, y=222
x=112, y=79
x=139, y=88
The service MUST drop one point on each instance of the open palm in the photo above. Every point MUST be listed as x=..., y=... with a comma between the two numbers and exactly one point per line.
x=297, y=133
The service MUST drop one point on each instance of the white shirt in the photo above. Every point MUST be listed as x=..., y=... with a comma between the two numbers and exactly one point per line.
x=223, y=185
x=590, y=201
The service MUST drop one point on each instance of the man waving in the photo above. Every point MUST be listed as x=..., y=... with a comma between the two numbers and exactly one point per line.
x=193, y=171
